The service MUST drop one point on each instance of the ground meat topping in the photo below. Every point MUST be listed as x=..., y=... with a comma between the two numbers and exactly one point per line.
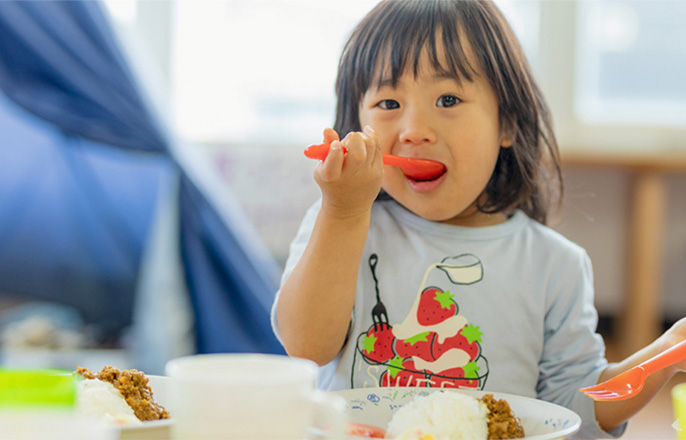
x=133, y=386
x=502, y=423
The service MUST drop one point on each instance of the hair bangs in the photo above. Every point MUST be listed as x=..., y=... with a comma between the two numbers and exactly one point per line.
x=397, y=41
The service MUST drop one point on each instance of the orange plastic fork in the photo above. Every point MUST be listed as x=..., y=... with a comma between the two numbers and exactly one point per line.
x=630, y=383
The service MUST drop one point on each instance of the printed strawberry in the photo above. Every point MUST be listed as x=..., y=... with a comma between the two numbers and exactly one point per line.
x=418, y=345
x=459, y=377
x=435, y=306
x=449, y=378
x=377, y=345
x=467, y=339
x=402, y=373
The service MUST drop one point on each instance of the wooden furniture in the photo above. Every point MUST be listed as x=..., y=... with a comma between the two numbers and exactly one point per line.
x=641, y=320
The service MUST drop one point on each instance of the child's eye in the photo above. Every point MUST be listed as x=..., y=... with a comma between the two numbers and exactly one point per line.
x=447, y=101
x=389, y=104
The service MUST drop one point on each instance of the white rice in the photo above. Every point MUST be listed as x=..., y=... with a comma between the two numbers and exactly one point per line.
x=444, y=415
x=101, y=400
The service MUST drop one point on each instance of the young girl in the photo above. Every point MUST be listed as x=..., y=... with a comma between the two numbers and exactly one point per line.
x=449, y=280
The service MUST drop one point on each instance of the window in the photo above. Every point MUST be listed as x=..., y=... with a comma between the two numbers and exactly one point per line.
x=632, y=62
x=611, y=73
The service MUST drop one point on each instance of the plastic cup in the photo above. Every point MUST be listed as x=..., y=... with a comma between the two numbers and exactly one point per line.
x=250, y=396
x=679, y=400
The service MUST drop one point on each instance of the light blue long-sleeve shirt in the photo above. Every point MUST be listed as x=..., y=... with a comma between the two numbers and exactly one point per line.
x=506, y=308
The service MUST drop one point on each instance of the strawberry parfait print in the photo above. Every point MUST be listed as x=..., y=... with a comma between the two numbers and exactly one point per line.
x=434, y=346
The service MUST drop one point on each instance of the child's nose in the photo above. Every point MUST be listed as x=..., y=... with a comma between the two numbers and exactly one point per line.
x=416, y=128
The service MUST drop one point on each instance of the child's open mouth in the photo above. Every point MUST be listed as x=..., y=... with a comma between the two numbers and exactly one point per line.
x=425, y=183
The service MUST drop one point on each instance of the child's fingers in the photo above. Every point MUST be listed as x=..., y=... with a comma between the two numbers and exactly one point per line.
x=357, y=149
x=330, y=135
x=330, y=169
x=376, y=142
x=363, y=147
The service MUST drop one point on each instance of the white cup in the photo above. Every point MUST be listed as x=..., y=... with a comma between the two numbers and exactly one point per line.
x=250, y=396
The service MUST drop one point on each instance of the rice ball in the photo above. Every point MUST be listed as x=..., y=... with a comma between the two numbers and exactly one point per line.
x=442, y=415
x=101, y=400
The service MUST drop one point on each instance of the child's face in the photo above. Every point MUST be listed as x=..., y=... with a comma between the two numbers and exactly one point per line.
x=434, y=117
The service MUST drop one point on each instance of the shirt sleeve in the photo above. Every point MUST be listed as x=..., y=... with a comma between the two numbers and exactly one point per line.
x=573, y=354
x=296, y=251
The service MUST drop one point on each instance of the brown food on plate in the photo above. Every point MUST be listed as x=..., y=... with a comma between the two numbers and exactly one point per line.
x=133, y=386
x=502, y=422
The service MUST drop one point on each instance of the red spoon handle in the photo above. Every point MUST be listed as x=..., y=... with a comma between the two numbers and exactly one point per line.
x=320, y=151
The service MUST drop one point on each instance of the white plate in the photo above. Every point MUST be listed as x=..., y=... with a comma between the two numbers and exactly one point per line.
x=153, y=429
x=541, y=420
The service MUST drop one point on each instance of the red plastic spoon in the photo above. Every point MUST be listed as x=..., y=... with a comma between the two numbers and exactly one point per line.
x=420, y=169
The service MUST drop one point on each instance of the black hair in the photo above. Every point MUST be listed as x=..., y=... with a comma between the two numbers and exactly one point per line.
x=527, y=175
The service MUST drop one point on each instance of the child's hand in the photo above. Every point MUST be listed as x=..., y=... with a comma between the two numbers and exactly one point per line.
x=676, y=334
x=350, y=181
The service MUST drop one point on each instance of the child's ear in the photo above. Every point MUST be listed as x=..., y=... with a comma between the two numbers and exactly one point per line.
x=505, y=140
x=506, y=134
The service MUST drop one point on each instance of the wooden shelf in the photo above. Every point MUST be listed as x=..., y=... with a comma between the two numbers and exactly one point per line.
x=641, y=320
x=658, y=161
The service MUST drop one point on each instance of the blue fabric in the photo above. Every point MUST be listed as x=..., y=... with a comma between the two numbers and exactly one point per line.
x=230, y=291
x=74, y=216
x=60, y=61
x=75, y=213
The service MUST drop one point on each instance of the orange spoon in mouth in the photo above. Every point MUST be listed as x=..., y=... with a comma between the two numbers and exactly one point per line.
x=419, y=169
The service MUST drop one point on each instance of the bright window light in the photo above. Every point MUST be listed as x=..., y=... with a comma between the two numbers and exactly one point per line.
x=258, y=71
x=123, y=11
x=631, y=62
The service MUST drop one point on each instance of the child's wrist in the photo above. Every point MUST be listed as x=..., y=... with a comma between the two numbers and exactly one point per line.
x=346, y=215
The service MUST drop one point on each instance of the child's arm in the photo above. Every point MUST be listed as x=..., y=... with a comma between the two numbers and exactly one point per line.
x=611, y=414
x=316, y=300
